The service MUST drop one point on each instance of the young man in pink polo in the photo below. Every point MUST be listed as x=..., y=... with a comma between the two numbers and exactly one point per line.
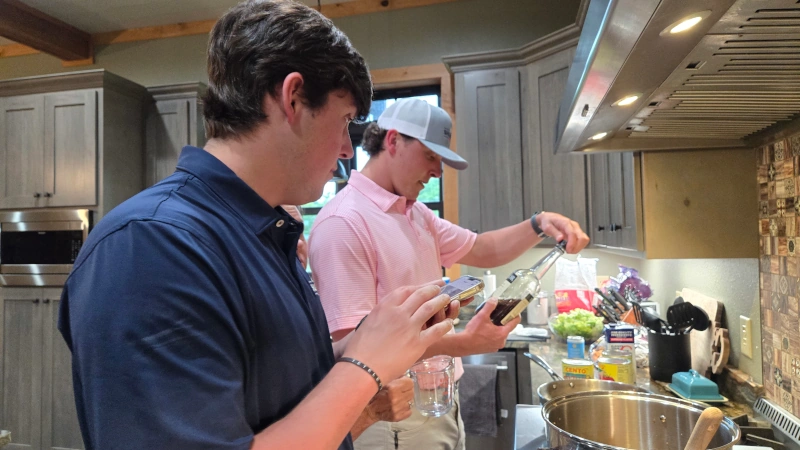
x=374, y=236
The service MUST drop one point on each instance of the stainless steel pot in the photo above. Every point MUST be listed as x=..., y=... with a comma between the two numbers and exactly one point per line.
x=560, y=387
x=627, y=420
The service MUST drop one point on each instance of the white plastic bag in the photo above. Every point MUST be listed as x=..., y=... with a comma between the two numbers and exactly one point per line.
x=575, y=283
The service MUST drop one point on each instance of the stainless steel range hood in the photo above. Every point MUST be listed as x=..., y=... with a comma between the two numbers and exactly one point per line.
x=725, y=83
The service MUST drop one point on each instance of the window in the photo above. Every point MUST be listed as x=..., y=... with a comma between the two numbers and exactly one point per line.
x=431, y=195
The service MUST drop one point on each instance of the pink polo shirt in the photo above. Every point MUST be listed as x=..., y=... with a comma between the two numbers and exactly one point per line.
x=367, y=241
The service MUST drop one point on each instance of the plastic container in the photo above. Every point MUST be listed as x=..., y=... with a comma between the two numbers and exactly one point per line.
x=539, y=309
x=694, y=386
x=489, y=283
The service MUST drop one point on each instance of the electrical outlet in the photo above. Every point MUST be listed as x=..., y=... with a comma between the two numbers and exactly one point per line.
x=746, y=331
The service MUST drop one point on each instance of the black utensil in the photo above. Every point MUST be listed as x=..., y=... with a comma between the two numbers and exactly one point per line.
x=611, y=312
x=701, y=320
x=681, y=317
x=605, y=298
x=618, y=297
x=603, y=313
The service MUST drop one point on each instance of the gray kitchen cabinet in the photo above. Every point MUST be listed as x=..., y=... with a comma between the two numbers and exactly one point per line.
x=74, y=139
x=70, y=148
x=21, y=151
x=551, y=182
x=615, y=201
x=49, y=150
x=38, y=405
x=174, y=119
x=60, y=428
x=490, y=138
x=674, y=204
x=506, y=120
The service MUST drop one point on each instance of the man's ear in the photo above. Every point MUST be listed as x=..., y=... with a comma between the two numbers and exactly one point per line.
x=390, y=142
x=289, y=96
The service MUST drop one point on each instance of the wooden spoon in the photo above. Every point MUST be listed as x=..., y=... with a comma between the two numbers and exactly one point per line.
x=705, y=429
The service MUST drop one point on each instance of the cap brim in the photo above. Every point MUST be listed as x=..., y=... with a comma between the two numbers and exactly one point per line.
x=449, y=157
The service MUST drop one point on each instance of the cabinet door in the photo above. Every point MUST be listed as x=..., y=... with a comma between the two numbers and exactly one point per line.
x=70, y=131
x=631, y=197
x=615, y=199
x=60, y=428
x=21, y=366
x=489, y=127
x=169, y=128
x=599, y=230
x=551, y=182
x=21, y=151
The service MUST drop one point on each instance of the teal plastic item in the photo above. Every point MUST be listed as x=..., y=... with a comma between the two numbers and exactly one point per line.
x=694, y=386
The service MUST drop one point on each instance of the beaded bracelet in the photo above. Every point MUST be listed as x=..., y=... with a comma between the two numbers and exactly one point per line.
x=365, y=367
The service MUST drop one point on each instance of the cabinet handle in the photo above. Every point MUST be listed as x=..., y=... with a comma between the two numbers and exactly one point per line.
x=601, y=228
x=46, y=301
x=615, y=227
x=37, y=195
x=47, y=194
x=36, y=300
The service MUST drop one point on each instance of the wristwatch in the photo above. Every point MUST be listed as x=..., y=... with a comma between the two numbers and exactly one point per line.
x=536, y=228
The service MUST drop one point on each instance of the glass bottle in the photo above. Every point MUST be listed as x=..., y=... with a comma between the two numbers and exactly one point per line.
x=517, y=291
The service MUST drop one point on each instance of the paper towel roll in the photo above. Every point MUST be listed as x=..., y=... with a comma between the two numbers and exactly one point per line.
x=489, y=284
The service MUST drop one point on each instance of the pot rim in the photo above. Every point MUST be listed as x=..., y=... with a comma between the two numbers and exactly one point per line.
x=542, y=387
x=550, y=405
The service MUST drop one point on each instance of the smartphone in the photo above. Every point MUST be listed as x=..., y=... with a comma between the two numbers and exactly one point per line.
x=463, y=288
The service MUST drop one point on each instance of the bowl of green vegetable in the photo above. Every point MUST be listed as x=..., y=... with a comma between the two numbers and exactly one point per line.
x=578, y=322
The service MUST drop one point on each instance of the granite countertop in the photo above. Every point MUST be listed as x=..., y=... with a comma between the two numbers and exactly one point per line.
x=554, y=351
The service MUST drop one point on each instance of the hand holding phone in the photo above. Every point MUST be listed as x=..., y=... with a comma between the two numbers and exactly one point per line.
x=463, y=289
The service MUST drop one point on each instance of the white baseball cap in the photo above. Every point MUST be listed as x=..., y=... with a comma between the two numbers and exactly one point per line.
x=429, y=124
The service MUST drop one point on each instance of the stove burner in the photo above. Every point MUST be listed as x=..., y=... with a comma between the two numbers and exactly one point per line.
x=757, y=433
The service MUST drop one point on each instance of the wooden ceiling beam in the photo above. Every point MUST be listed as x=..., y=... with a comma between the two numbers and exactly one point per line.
x=332, y=10
x=33, y=28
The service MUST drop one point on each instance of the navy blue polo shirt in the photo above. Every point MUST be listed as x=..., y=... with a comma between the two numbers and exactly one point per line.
x=191, y=323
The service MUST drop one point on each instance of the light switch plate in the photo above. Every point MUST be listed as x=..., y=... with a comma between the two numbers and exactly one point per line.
x=746, y=331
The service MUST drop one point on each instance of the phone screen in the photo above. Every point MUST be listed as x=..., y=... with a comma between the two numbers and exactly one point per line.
x=460, y=285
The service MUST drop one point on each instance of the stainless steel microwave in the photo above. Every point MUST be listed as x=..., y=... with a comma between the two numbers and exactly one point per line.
x=38, y=247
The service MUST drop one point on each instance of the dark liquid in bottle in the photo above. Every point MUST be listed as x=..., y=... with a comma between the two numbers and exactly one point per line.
x=504, y=307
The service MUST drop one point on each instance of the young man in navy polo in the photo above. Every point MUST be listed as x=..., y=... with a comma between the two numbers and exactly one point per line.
x=191, y=322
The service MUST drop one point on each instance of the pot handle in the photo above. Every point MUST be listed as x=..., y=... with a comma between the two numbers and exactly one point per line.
x=544, y=365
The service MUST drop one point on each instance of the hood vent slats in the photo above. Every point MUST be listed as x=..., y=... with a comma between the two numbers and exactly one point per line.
x=741, y=78
x=749, y=82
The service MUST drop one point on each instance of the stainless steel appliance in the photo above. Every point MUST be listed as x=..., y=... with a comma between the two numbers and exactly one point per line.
x=38, y=247
x=676, y=74
x=642, y=421
x=560, y=387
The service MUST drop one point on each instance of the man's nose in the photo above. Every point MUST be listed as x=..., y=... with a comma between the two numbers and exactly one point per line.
x=347, y=148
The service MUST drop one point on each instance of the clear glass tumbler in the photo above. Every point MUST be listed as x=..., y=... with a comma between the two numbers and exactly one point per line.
x=434, y=380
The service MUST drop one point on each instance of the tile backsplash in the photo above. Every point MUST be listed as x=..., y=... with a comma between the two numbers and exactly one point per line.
x=779, y=267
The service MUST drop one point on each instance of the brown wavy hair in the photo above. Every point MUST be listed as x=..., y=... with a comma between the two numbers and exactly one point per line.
x=257, y=43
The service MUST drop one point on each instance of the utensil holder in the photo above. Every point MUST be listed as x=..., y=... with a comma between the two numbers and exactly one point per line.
x=668, y=354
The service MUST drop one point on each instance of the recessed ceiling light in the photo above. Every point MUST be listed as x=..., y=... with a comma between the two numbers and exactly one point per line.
x=685, y=23
x=625, y=101
x=599, y=136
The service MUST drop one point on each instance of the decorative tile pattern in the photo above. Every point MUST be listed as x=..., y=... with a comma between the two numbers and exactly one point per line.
x=778, y=175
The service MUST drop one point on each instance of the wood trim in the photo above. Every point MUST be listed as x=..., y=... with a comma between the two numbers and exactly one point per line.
x=540, y=48
x=357, y=7
x=422, y=75
x=335, y=10
x=545, y=46
x=29, y=26
x=16, y=50
x=157, y=32
x=87, y=79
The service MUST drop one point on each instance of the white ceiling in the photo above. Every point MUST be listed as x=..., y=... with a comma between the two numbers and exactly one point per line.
x=97, y=16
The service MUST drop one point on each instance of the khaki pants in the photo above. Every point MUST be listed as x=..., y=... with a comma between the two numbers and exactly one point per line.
x=416, y=433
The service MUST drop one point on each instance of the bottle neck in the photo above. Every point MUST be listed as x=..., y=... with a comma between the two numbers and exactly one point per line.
x=544, y=264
